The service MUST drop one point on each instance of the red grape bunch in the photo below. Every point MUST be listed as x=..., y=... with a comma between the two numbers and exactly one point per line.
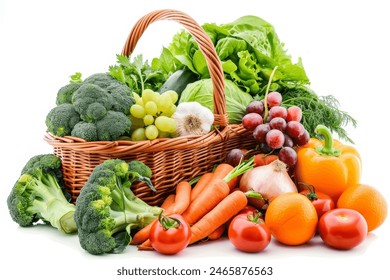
x=277, y=129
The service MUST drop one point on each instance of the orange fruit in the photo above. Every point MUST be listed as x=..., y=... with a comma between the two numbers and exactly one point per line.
x=292, y=218
x=368, y=201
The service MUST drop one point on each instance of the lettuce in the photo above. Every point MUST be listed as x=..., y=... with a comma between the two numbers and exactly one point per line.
x=202, y=91
x=249, y=49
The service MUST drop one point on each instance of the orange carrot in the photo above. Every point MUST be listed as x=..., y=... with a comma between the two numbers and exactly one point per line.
x=216, y=234
x=183, y=197
x=207, y=200
x=219, y=215
x=222, y=170
x=204, y=180
x=264, y=159
x=169, y=200
x=145, y=246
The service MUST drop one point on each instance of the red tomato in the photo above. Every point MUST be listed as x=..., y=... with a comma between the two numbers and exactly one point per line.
x=321, y=201
x=249, y=210
x=249, y=233
x=342, y=228
x=170, y=234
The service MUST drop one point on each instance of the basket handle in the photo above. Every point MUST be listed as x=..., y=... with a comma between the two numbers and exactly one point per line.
x=205, y=46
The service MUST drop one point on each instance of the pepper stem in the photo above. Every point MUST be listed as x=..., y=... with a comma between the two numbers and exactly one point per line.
x=327, y=149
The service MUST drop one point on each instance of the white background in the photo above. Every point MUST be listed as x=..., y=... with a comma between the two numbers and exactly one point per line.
x=345, y=50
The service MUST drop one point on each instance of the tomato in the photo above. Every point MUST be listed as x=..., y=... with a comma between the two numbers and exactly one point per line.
x=170, y=234
x=249, y=210
x=321, y=201
x=249, y=233
x=342, y=228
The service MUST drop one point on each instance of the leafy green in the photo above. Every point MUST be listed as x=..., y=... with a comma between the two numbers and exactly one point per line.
x=202, y=92
x=138, y=74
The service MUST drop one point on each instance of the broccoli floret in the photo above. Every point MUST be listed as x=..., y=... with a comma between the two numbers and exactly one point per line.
x=112, y=126
x=140, y=168
x=65, y=94
x=107, y=210
x=123, y=97
x=90, y=97
x=61, y=119
x=38, y=195
x=102, y=80
x=85, y=130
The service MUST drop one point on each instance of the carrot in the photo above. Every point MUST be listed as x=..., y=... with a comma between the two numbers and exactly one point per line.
x=183, y=197
x=203, y=181
x=169, y=200
x=264, y=159
x=221, y=171
x=216, y=234
x=219, y=215
x=145, y=246
x=205, y=201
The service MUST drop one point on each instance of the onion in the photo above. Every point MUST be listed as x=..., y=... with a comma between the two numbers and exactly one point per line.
x=269, y=180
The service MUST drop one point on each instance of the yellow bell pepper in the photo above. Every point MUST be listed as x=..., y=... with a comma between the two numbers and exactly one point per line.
x=330, y=167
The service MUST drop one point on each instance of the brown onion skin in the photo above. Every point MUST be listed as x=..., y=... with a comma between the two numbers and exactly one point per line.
x=254, y=180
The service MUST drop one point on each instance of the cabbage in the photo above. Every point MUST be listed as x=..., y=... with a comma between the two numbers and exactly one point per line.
x=202, y=91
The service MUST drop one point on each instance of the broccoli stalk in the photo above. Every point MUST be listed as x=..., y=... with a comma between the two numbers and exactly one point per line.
x=107, y=210
x=37, y=195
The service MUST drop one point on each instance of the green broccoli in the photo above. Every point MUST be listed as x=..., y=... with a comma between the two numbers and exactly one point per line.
x=85, y=130
x=102, y=80
x=91, y=95
x=123, y=97
x=65, y=94
x=107, y=210
x=61, y=119
x=38, y=194
x=112, y=126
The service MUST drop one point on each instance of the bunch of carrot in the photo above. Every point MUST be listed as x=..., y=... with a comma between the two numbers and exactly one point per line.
x=206, y=207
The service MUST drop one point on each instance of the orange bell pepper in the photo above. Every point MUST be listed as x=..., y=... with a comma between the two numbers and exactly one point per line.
x=330, y=167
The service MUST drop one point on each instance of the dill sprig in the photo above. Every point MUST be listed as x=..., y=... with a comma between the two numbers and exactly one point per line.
x=319, y=110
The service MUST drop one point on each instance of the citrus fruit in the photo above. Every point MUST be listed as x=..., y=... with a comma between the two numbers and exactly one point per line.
x=292, y=218
x=368, y=201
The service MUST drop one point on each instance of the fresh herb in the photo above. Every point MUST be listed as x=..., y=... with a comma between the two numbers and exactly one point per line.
x=319, y=110
x=137, y=74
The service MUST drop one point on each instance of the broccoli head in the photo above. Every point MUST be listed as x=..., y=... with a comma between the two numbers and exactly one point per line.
x=123, y=97
x=90, y=98
x=61, y=119
x=65, y=94
x=85, y=130
x=102, y=80
x=107, y=210
x=38, y=195
x=112, y=126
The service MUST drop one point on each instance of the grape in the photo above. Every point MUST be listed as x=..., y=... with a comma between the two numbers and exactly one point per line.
x=303, y=138
x=255, y=107
x=148, y=95
x=251, y=121
x=165, y=124
x=294, y=113
x=138, y=99
x=151, y=132
x=172, y=94
x=260, y=132
x=164, y=104
x=151, y=108
x=274, y=98
x=138, y=134
x=278, y=123
x=288, y=156
x=137, y=111
x=234, y=157
x=288, y=141
x=274, y=139
x=278, y=112
x=294, y=129
x=148, y=119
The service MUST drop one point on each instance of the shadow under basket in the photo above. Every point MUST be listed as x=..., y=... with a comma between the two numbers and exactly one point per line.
x=170, y=159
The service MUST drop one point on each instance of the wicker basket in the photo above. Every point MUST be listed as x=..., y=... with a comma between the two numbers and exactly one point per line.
x=171, y=159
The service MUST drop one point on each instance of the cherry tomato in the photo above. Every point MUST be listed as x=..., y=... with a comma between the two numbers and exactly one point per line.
x=249, y=233
x=170, y=234
x=342, y=228
x=321, y=201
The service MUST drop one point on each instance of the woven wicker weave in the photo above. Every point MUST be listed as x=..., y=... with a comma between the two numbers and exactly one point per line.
x=171, y=159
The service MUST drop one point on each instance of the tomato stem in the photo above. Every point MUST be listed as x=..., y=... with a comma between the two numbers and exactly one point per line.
x=255, y=217
x=168, y=222
x=312, y=195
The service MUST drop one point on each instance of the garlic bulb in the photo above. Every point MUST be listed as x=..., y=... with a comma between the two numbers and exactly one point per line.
x=192, y=119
